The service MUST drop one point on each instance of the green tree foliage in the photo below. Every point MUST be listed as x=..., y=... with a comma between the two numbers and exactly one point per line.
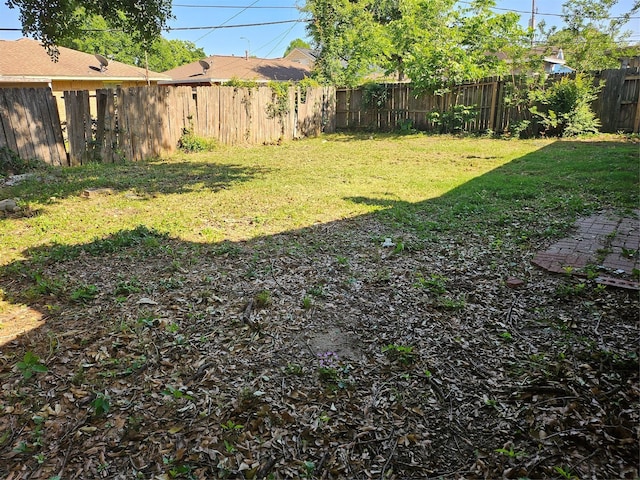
x=297, y=43
x=592, y=38
x=51, y=22
x=434, y=42
x=98, y=36
x=349, y=39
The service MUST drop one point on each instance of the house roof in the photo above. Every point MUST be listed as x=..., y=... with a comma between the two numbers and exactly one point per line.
x=224, y=68
x=27, y=60
x=311, y=54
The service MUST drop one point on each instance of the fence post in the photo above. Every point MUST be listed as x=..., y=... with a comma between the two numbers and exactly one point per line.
x=494, y=105
x=76, y=104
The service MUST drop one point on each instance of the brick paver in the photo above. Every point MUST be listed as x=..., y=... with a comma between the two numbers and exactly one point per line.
x=608, y=242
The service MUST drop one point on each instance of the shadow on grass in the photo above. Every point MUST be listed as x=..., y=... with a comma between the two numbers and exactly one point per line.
x=522, y=195
x=142, y=179
x=517, y=201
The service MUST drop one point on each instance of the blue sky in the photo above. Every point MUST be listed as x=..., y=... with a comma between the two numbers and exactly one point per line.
x=270, y=41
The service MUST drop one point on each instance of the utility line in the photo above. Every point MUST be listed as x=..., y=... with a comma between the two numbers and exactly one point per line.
x=547, y=14
x=260, y=24
x=182, y=5
x=224, y=23
x=215, y=27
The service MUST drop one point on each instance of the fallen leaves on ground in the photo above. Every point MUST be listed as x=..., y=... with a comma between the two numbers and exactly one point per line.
x=271, y=359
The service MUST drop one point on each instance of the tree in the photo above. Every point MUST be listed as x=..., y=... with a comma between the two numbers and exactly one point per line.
x=434, y=42
x=97, y=36
x=591, y=38
x=297, y=43
x=52, y=22
x=348, y=38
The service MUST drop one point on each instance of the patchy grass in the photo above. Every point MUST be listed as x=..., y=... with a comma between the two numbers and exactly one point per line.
x=241, y=193
x=236, y=314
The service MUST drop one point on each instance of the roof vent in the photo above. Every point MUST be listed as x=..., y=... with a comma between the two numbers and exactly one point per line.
x=205, y=66
x=104, y=63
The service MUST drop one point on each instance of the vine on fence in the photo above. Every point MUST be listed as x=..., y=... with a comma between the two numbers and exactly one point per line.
x=279, y=107
x=374, y=95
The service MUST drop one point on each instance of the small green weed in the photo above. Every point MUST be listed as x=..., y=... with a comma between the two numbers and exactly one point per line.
x=435, y=283
x=190, y=142
x=30, y=365
x=12, y=164
x=84, y=293
x=293, y=369
x=510, y=452
x=342, y=261
x=176, y=393
x=451, y=303
x=231, y=426
x=308, y=469
x=403, y=354
x=307, y=302
x=101, y=404
x=568, y=269
x=173, y=327
x=263, y=299
x=565, y=290
x=226, y=248
x=316, y=291
x=176, y=470
x=565, y=473
x=45, y=286
x=127, y=287
x=229, y=447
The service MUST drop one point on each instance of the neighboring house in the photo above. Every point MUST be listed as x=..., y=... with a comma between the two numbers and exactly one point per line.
x=552, y=60
x=218, y=69
x=555, y=62
x=630, y=62
x=305, y=56
x=25, y=63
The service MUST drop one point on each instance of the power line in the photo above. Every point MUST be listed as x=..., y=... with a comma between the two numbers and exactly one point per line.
x=237, y=7
x=215, y=27
x=227, y=20
x=210, y=27
x=547, y=14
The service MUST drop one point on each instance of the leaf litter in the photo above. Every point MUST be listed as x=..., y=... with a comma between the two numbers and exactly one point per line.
x=322, y=354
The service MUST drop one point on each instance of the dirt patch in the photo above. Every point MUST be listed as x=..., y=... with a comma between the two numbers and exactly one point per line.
x=334, y=339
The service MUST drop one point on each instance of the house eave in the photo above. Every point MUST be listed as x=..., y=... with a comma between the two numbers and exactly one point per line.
x=24, y=79
x=65, y=78
x=211, y=81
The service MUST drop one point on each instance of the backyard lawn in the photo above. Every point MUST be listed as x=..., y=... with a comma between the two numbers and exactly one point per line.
x=329, y=308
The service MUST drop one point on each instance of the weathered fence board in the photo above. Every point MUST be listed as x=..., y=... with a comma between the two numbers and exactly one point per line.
x=79, y=127
x=144, y=122
x=617, y=105
x=30, y=124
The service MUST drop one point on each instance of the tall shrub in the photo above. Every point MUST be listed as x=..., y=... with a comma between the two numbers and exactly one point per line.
x=563, y=108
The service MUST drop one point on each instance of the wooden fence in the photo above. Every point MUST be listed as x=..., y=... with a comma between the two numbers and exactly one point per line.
x=617, y=105
x=142, y=122
x=30, y=124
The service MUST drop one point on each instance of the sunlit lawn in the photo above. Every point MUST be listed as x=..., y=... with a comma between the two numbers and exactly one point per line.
x=242, y=192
